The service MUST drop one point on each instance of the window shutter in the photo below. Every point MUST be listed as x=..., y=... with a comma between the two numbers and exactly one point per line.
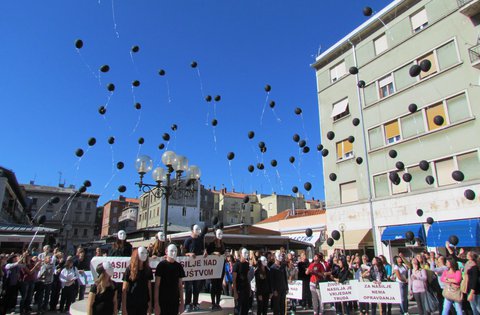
x=419, y=19
x=392, y=129
x=436, y=110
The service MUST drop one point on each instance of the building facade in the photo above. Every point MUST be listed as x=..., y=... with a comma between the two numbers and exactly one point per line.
x=12, y=199
x=128, y=219
x=375, y=139
x=112, y=211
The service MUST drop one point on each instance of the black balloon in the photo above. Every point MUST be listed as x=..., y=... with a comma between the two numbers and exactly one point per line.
x=453, y=239
x=102, y=110
x=458, y=176
x=333, y=177
x=351, y=139
x=260, y=166
x=138, y=106
x=430, y=220
x=272, y=104
x=424, y=165
x=214, y=122
x=330, y=135
x=161, y=72
x=261, y=144
x=393, y=177
x=296, y=137
x=392, y=153
x=367, y=11
x=430, y=179
x=161, y=146
x=399, y=165
x=361, y=84
x=438, y=120
x=319, y=147
x=353, y=70
x=194, y=64
x=308, y=232
x=307, y=186
x=419, y=212
x=214, y=220
x=122, y=188
x=251, y=134
x=306, y=149
x=174, y=127
x=217, y=98
x=298, y=110
x=166, y=136
x=111, y=87
x=263, y=150
x=407, y=177
x=273, y=163
x=111, y=140
x=246, y=199
x=208, y=98
x=120, y=165
x=425, y=65
x=409, y=236
x=136, y=83
x=469, y=194
x=330, y=241
x=79, y=43
x=41, y=220
x=355, y=121
x=55, y=200
x=86, y=183
x=302, y=143
x=324, y=152
x=412, y=108
x=230, y=156
x=82, y=189
x=251, y=168
x=359, y=160
x=135, y=49
x=141, y=140
x=294, y=189
x=92, y=141
x=105, y=68
x=414, y=70
x=335, y=235
x=267, y=88
x=291, y=159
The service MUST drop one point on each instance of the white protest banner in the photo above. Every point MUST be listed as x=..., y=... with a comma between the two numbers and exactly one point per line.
x=337, y=292
x=295, y=290
x=379, y=292
x=200, y=268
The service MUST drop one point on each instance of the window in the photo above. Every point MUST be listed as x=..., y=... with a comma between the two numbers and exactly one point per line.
x=88, y=206
x=433, y=69
x=447, y=55
x=75, y=232
x=115, y=209
x=386, y=86
x=344, y=150
x=348, y=192
x=392, y=132
x=418, y=178
x=432, y=112
x=85, y=232
x=400, y=188
x=444, y=169
x=338, y=71
x=412, y=125
x=270, y=206
x=87, y=217
x=340, y=109
x=371, y=94
x=380, y=44
x=457, y=108
x=403, y=78
x=79, y=205
x=184, y=211
x=380, y=184
x=34, y=201
x=375, y=137
x=419, y=20
x=469, y=164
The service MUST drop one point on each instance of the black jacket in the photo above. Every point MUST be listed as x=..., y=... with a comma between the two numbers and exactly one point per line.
x=278, y=279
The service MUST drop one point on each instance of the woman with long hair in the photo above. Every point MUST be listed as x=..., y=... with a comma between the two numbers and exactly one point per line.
x=378, y=274
x=262, y=286
x=388, y=272
x=216, y=247
x=137, y=287
x=160, y=245
x=68, y=277
x=102, y=299
x=452, y=278
x=341, y=275
x=418, y=285
x=400, y=271
x=228, y=278
x=472, y=283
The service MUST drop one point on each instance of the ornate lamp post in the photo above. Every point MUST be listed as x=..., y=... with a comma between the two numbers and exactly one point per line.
x=177, y=187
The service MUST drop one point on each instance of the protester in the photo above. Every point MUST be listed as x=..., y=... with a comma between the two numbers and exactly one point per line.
x=302, y=266
x=44, y=284
x=56, y=284
x=418, y=285
x=342, y=275
x=472, y=274
x=439, y=268
x=121, y=248
x=365, y=267
x=82, y=264
x=68, y=277
x=160, y=246
x=452, y=279
x=136, y=290
x=262, y=286
x=28, y=278
x=241, y=285
x=168, y=285
x=377, y=274
x=102, y=299
x=401, y=277
x=98, y=252
x=193, y=246
x=388, y=272
x=228, y=278
x=278, y=283
x=292, y=275
x=316, y=271
x=216, y=247
x=13, y=269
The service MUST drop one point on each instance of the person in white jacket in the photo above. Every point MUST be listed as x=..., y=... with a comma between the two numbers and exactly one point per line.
x=68, y=276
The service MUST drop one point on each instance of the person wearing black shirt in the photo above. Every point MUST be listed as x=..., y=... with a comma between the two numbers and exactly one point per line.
x=262, y=285
x=217, y=247
x=193, y=246
x=168, y=285
x=102, y=299
x=302, y=268
x=160, y=245
x=241, y=285
x=341, y=275
x=82, y=265
x=121, y=248
x=278, y=284
x=136, y=290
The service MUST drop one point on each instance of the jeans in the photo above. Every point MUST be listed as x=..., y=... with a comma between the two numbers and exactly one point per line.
x=316, y=299
x=215, y=290
x=192, y=288
x=43, y=295
x=420, y=299
x=446, y=307
x=383, y=306
x=67, y=298
x=26, y=290
x=342, y=308
x=404, y=296
x=475, y=304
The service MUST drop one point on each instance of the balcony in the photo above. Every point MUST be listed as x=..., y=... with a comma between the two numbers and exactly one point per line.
x=474, y=53
x=469, y=7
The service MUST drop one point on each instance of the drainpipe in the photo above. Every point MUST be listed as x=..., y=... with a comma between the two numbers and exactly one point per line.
x=365, y=152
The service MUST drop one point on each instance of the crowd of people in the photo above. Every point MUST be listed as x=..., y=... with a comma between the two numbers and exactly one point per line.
x=258, y=281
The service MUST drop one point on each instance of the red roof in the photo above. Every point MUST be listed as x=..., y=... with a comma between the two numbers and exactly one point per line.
x=287, y=214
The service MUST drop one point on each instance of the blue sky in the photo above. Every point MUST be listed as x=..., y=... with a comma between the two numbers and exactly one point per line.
x=51, y=92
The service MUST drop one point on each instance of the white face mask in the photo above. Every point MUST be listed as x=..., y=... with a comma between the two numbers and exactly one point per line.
x=108, y=268
x=264, y=261
x=161, y=236
x=142, y=253
x=219, y=234
x=197, y=230
x=122, y=235
x=244, y=253
x=279, y=256
x=172, y=251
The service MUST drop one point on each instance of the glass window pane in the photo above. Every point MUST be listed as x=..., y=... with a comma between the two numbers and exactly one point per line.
x=400, y=188
x=348, y=192
x=458, y=108
x=370, y=92
x=432, y=112
x=380, y=44
x=380, y=184
x=447, y=55
x=403, y=78
x=339, y=150
x=433, y=68
x=444, y=171
x=375, y=137
x=392, y=130
x=469, y=164
x=418, y=178
x=412, y=125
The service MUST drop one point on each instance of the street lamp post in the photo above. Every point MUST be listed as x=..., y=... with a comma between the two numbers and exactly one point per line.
x=165, y=187
x=342, y=229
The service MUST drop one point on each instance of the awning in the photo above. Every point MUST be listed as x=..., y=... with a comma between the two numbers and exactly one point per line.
x=339, y=108
x=304, y=238
x=467, y=231
x=354, y=239
x=397, y=232
x=17, y=238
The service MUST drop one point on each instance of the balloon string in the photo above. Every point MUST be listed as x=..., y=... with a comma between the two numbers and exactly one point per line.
x=265, y=174
x=68, y=208
x=86, y=64
x=276, y=117
x=298, y=173
x=263, y=110
x=59, y=208
x=133, y=96
x=138, y=122
x=99, y=78
x=231, y=175
x=108, y=99
x=201, y=82
x=206, y=118
x=174, y=141
x=168, y=91
x=303, y=126
x=113, y=160
x=215, y=139
x=107, y=123
x=279, y=179
x=214, y=109
x=114, y=20
x=138, y=152
x=166, y=146
x=108, y=183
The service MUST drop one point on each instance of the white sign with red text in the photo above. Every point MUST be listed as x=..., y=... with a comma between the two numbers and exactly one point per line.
x=295, y=289
x=337, y=292
x=198, y=268
x=379, y=292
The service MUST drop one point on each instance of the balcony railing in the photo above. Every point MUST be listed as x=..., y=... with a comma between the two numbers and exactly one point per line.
x=469, y=7
x=474, y=53
x=461, y=3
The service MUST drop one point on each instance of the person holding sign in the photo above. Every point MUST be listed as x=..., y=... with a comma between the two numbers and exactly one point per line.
x=316, y=270
x=341, y=275
x=241, y=284
x=160, y=246
x=137, y=289
x=121, y=248
x=68, y=277
x=377, y=274
x=279, y=284
x=262, y=285
x=102, y=299
x=193, y=246
x=217, y=247
x=418, y=285
x=168, y=284
x=400, y=271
